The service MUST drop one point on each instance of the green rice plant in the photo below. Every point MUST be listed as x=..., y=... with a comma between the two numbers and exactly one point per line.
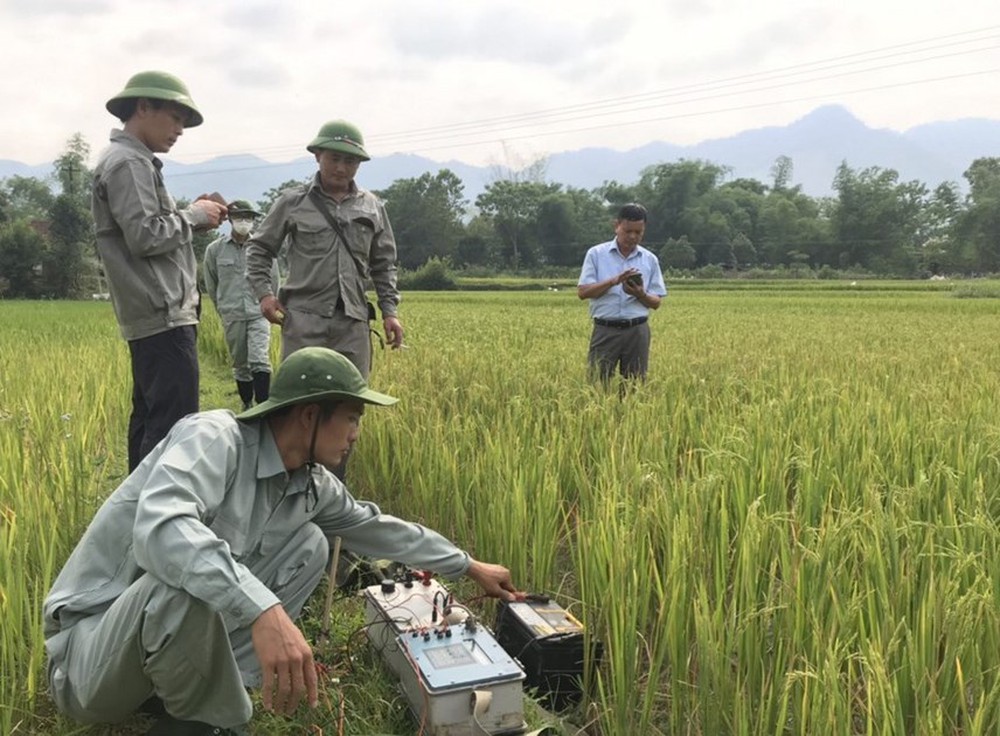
x=57, y=398
x=777, y=482
x=790, y=528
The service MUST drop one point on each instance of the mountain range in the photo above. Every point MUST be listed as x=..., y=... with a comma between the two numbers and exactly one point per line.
x=816, y=143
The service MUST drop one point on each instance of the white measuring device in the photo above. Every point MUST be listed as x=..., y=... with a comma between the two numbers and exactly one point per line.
x=457, y=679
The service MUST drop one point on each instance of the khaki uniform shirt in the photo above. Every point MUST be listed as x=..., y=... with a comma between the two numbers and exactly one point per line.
x=226, y=280
x=143, y=240
x=211, y=499
x=320, y=269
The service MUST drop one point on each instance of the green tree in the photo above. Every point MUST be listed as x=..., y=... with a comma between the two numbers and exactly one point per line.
x=27, y=198
x=479, y=245
x=512, y=207
x=426, y=214
x=22, y=250
x=877, y=220
x=70, y=224
x=743, y=249
x=740, y=203
x=940, y=250
x=568, y=223
x=671, y=192
x=71, y=170
x=678, y=253
x=70, y=228
x=791, y=222
x=265, y=202
x=978, y=227
x=781, y=173
x=712, y=236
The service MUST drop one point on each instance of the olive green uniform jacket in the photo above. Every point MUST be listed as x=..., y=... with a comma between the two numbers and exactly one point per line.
x=144, y=241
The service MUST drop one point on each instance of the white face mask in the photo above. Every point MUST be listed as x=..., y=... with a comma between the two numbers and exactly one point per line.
x=242, y=227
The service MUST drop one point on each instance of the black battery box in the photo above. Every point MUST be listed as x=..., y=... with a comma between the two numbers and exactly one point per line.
x=549, y=643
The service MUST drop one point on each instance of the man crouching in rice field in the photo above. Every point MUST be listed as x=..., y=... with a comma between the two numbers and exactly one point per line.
x=186, y=584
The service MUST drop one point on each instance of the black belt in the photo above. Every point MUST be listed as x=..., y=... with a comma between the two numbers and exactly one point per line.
x=619, y=324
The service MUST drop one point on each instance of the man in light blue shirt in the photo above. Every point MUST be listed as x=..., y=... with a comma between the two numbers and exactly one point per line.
x=186, y=584
x=623, y=282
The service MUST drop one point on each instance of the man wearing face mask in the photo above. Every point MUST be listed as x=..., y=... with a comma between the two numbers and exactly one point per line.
x=248, y=334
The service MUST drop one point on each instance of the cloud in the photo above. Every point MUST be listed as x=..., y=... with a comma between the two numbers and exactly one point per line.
x=504, y=34
x=258, y=75
x=694, y=9
x=76, y=8
x=269, y=17
x=771, y=43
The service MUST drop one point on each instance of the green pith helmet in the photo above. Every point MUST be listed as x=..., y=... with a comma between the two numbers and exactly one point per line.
x=314, y=374
x=242, y=207
x=342, y=136
x=156, y=86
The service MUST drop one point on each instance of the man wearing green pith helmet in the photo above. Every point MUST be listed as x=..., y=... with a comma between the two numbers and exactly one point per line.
x=248, y=334
x=145, y=245
x=184, y=589
x=339, y=237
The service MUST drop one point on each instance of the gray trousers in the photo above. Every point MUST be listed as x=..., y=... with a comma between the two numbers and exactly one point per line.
x=249, y=343
x=160, y=640
x=349, y=337
x=612, y=349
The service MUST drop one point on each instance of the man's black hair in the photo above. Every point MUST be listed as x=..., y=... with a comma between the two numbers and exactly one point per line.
x=633, y=212
x=128, y=106
x=327, y=408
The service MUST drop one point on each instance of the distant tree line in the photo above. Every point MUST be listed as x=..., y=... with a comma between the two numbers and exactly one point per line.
x=700, y=222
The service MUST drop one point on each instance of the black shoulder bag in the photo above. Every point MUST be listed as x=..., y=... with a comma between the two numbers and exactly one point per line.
x=317, y=200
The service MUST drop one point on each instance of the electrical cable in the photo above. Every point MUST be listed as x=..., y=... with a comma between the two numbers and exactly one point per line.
x=698, y=87
x=364, y=628
x=424, y=138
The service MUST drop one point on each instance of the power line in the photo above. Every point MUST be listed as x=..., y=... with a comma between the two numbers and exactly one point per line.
x=681, y=91
x=465, y=134
x=739, y=107
x=619, y=104
x=638, y=108
x=676, y=116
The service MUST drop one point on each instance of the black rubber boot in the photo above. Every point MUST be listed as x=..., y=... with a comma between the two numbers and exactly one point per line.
x=262, y=386
x=245, y=389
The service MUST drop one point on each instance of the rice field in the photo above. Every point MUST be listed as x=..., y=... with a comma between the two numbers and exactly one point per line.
x=792, y=527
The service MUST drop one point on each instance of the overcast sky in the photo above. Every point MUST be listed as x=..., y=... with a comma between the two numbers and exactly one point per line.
x=491, y=81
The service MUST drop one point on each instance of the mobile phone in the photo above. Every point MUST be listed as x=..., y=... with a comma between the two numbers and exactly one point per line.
x=635, y=279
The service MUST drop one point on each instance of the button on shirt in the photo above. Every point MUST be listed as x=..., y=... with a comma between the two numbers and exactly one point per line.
x=604, y=261
x=209, y=501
